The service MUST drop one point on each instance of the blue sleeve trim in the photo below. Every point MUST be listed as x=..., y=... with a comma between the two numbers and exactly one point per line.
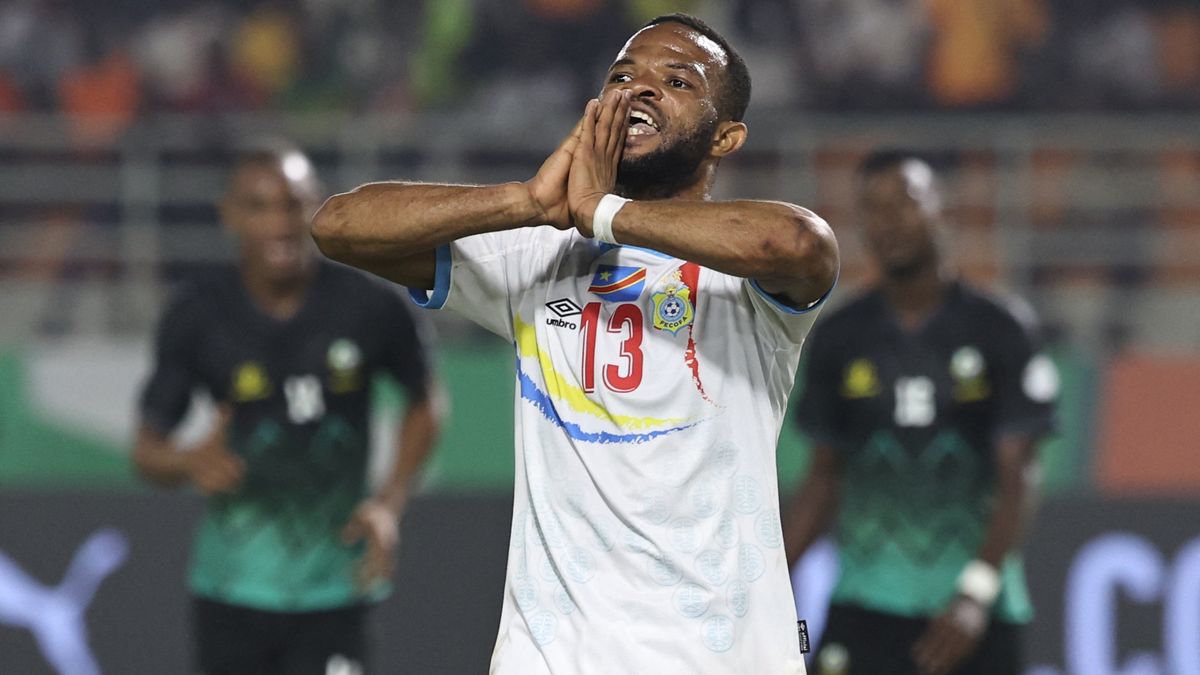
x=441, y=283
x=792, y=310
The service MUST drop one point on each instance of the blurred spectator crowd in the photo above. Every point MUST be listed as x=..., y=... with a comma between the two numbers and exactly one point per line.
x=121, y=58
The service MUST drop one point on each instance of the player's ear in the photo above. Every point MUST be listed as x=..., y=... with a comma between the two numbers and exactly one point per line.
x=729, y=138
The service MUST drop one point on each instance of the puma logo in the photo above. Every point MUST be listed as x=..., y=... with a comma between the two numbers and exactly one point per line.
x=57, y=616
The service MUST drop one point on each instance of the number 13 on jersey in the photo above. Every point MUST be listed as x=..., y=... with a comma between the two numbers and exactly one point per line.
x=625, y=374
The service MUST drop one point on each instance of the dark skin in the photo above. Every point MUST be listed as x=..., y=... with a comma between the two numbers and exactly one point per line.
x=268, y=211
x=901, y=216
x=667, y=71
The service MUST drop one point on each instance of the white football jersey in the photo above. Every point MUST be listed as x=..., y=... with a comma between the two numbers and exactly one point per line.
x=650, y=393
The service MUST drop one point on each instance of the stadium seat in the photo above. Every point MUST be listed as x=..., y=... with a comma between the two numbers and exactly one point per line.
x=1148, y=426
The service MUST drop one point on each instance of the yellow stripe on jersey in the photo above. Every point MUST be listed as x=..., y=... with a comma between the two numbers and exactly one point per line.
x=562, y=389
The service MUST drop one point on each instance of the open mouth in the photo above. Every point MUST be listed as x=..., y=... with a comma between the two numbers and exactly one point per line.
x=283, y=253
x=641, y=124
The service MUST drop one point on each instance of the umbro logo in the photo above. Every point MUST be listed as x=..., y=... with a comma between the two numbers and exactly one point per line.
x=564, y=309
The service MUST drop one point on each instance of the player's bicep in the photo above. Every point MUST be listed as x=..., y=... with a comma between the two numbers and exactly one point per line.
x=1028, y=385
x=416, y=271
x=805, y=278
x=797, y=295
x=167, y=392
x=166, y=397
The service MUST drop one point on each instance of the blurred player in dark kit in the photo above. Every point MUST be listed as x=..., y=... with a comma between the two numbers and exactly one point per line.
x=925, y=399
x=292, y=549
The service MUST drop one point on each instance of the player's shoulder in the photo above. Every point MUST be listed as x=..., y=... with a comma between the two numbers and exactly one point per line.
x=864, y=306
x=202, y=293
x=997, y=308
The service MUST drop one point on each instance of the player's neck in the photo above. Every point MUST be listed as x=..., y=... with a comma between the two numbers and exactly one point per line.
x=278, y=299
x=914, y=297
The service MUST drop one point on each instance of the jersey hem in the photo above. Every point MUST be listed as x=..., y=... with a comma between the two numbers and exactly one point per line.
x=315, y=602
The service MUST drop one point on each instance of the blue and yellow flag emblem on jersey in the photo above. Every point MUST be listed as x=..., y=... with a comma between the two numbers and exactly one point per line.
x=616, y=283
x=673, y=307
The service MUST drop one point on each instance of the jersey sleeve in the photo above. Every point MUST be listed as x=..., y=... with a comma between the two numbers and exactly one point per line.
x=816, y=413
x=480, y=276
x=790, y=323
x=167, y=393
x=1027, y=380
x=406, y=354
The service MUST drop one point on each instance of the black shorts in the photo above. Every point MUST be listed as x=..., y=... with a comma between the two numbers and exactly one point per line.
x=232, y=640
x=878, y=643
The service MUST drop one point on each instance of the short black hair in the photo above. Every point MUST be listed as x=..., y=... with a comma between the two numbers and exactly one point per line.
x=886, y=159
x=256, y=151
x=734, y=97
x=273, y=153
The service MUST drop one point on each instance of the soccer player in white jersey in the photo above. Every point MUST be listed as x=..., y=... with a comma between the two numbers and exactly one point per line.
x=657, y=336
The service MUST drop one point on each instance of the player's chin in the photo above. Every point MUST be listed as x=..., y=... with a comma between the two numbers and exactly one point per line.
x=277, y=272
x=899, y=267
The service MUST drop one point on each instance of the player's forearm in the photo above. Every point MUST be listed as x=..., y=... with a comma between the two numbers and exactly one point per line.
x=157, y=461
x=808, y=519
x=766, y=241
x=394, y=220
x=812, y=508
x=1016, y=491
x=418, y=431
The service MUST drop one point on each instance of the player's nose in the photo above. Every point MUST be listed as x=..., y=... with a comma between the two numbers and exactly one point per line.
x=643, y=87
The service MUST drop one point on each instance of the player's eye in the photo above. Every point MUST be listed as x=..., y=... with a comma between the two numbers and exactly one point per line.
x=678, y=83
x=620, y=77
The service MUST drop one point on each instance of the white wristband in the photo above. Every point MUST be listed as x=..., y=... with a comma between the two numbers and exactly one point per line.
x=602, y=219
x=980, y=582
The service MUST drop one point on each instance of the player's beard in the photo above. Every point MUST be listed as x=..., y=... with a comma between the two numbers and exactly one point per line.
x=923, y=257
x=664, y=171
x=906, y=270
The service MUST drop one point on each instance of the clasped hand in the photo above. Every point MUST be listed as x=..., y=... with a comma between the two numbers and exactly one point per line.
x=573, y=179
